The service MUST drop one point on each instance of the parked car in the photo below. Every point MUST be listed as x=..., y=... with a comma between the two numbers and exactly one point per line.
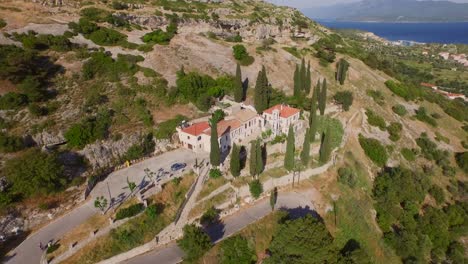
x=178, y=166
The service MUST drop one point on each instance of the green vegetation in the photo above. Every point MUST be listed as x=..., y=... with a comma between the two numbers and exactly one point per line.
x=3, y=23
x=462, y=160
x=10, y=143
x=210, y=216
x=322, y=97
x=101, y=35
x=194, y=243
x=332, y=127
x=236, y=249
x=347, y=176
x=399, y=110
x=377, y=96
x=103, y=65
x=421, y=115
x=430, y=151
x=325, y=146
x=341, y=70
x=325, y=50
x=374, y=150
x=313, y=114
x=256, y=188
x=426, y=232
x=215, y=173
x=289, y=157
x=215, y=152
x=394, y=129
x=89, y=130
x=262, y=91
x=235, y=163
x=407, y=92
x=32, y=40
x=161, y=37
x=302, y=80
x=344, y=98
x=130, y=211
x=293, y=51
x=241, y=55
x=305, y=153
x=32, y=173
x=375, y=120
x=141, y=149
x=408, y=154
x=238, y=85
x=167, y=128
x=256, y=158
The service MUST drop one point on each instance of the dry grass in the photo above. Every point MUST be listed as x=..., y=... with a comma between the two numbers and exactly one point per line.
x=138, y=230
x=213, y=201
x=210, y=186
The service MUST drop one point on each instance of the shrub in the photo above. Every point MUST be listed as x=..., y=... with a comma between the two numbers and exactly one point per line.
x=408, y=154
x=256, y=188
x=35, y=172
x=12, y=101
x=375, y=120
x=430, y=151
x=405, y=91
x=236, y=250
x=215, y=173
x=88, y=130
x=194, y=243
x=374, y=150
x=53, y=248
x=421, y=115
x=153, y=210
x=236, y=38
x=345, y=98
x=347, y=176
x=240, y=54
x=37, y=110
x=462, y=160
x=10, y=143
x=142, y=149
x=399, y=110
x=130, y=211
x=211, y=216
x=2, y=23
x=394, y=129
x=167, y=128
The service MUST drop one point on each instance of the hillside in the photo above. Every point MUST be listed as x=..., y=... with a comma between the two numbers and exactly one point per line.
x=88, y=85
x=392, y=11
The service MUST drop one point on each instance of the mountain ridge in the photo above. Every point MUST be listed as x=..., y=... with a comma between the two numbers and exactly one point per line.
x=392, y=11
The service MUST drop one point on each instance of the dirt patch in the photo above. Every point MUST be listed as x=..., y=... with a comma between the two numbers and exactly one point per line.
x=165, y=113
x=6, y=87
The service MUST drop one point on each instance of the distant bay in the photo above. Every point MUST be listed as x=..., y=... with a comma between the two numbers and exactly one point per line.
x=446, y=33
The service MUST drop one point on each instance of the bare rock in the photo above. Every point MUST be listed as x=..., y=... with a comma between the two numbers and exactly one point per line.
x=47, y=138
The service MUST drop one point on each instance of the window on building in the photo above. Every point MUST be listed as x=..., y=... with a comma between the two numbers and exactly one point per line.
x=199, y=138
x=188, y=137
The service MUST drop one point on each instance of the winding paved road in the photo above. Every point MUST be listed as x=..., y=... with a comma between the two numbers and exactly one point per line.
x=297, y=203
x=28, y=252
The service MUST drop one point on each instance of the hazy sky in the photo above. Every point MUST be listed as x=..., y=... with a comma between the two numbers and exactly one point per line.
x=311, y=3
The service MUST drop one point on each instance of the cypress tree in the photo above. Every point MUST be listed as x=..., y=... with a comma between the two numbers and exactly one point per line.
x=262, y=91
x=215, y=153
x=305, y=154
x=303, y=75
x=308, y=79
x=325, y=147
x=238, y=89
x=341, y=71
x=313, y=114
x=253, y=159
x=297, y=88
x=235, y=161
x=290, y=150
x=259, y=157
x=323, y=97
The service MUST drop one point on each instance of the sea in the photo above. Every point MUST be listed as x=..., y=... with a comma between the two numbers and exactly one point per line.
x=445, y=33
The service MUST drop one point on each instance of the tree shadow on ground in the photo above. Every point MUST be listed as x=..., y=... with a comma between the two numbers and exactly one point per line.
x=299, y=212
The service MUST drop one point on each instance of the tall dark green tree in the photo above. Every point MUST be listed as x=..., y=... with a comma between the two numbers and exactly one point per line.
x=341, y=71
x=290, y=150
x=253, y=159
x=308, y=80
x=323, y=97
x=303, y=74
x=313, y=113
x=305, y=154
x=235, y=161
x=325, y=147
x=259, y=157
x=194, y=243
x=238, y=88
x=297, y=82
x=262, y=91
x=215, y=153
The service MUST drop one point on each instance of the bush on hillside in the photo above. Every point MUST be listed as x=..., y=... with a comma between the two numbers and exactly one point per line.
x=89, y=130
x=10, y=143
x=256, y=188
x=394, y=129
x=399, y=109
x=344, y=98
x=375, y=120
x=374, y=150
x=347, y=176
x=408, y=154
x=421, y=115
x=240, y=54
x=167, y=128
x=130, y=211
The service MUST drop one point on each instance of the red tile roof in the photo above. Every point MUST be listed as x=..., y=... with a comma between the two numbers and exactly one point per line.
x=225, y=126
x=197, y=128
x=430, y=85
x=285, y=111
